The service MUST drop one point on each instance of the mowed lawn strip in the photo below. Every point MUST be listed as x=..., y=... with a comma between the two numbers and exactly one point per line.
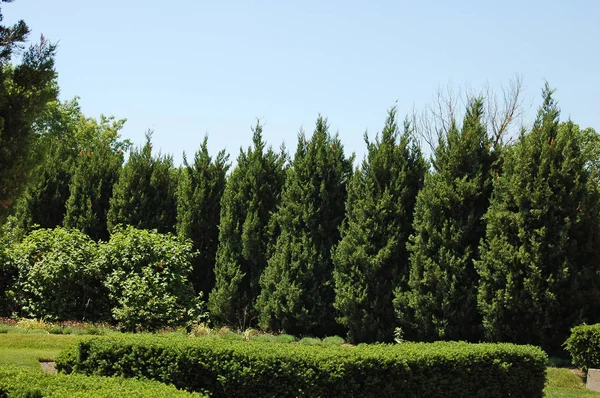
x=27, y=349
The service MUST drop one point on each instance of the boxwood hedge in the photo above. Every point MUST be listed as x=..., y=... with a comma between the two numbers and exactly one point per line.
x=21, y=382
x=584, y=346
x=256, y=369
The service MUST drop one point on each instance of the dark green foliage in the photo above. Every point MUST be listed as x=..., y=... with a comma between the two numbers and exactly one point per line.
x=8, y=277
x=43, y=202
x=252, y=194
x=25, y=89
x=584, y=346
x=441, y=302
x=73, y=183
x=148, y=279
x=297, y=285
x=24, y=383
x=199, y=192
x=96, y=170
x=57, y=276
x=145, y=193
x=226, y=368
x=539, y=266
x=371, y=259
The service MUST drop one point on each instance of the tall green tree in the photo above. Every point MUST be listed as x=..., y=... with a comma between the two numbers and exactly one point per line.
x=145, y=193
x=371, y=259
x=95, y=171
x=43, y=200
x=251, y=197
x=25, y=89
x=297, y=285
x=539, y=270
x=199, y=192
x=441, y=300
x=72, y=185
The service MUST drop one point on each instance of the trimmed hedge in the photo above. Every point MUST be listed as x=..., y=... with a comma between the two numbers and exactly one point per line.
x=255, y=369
x=584, y=346
x=20, y=382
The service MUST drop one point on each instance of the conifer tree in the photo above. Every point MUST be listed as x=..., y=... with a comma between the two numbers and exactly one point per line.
x=43, y=201
x=96, y=170
x=297, y=285
x=539, y=260
x=251, y=197
x=371, y=259
x=26, y=89
x=441, y=301
x=199, y=192
x=145, y=193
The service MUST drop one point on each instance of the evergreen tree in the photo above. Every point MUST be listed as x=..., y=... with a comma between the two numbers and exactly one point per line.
x=25, y=90
x=251, y=197
x=539, y=260
x=297, y=285
x=441, y=301
x=199, y=192
x=43, y=200
x=145, y=193
x=96, y=170
x=371, y=259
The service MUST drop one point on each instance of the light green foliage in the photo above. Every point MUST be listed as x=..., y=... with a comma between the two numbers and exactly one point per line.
x=145, y=193
x=371, y=259
x=57, y=276
x=148, y=279
x=226, y=368
x=297, y=285
x=539, y=266
x=199, y=192
x=584, y=346
x=251, y=196
x=441, y=301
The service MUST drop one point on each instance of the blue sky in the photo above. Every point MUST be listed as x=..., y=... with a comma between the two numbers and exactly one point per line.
x=186, y=68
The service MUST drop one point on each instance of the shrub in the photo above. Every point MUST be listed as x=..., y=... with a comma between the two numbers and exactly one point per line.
x=252, y=369
x=55, y=329
x=57, y=277
x=584, y=346
x=19, y=382
x=148, y=279
x=285, y=338
x=333, y=340
x=310, y=341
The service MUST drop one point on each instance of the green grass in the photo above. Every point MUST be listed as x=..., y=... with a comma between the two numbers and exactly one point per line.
x=27, y=349
x=563, y=383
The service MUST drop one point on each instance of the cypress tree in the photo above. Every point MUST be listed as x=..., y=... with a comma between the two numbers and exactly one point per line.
x=199, y=192
x=96, y=170
x=145, y=193
x=251, y=197
x=441, y=301
x=297, y=285
x=371, y=259
x=539, y=260
x=44, y=198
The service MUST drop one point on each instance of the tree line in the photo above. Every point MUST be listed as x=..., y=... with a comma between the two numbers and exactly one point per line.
x=487, y=240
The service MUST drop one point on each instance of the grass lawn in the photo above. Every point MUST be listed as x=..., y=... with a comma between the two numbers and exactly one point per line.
x=26, y=349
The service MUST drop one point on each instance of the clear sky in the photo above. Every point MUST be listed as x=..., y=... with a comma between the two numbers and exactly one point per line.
x=185, y=68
